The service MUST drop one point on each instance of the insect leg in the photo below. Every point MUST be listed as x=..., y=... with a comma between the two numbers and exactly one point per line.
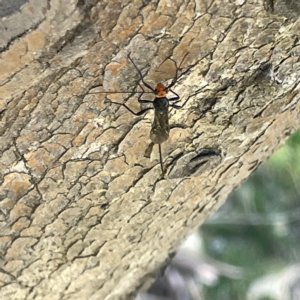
x=181, y=106
x=134, y=113
x=140, y=101
x=176, y=98
x=142, y=78
x=141, y=95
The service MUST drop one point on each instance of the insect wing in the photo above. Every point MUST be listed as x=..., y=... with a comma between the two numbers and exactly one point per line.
x=160, y=127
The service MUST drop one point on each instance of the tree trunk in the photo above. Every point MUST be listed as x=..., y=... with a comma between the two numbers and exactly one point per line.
x=85, y=212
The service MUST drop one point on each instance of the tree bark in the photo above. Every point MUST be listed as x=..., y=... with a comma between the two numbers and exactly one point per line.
x=84, y=210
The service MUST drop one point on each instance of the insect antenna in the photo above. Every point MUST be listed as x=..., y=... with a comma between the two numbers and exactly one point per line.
x=113, y=92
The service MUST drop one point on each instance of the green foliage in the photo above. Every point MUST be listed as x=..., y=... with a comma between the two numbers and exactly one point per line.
x=258, y=228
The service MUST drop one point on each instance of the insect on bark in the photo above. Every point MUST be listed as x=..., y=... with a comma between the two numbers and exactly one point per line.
x=160, y=128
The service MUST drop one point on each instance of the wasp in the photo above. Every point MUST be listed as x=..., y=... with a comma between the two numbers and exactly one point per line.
x=160, y=128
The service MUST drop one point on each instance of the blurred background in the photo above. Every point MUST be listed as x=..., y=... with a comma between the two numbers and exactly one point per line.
x=249, y=249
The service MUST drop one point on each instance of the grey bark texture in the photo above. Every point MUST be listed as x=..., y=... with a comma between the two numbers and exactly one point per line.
x=84, y=210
